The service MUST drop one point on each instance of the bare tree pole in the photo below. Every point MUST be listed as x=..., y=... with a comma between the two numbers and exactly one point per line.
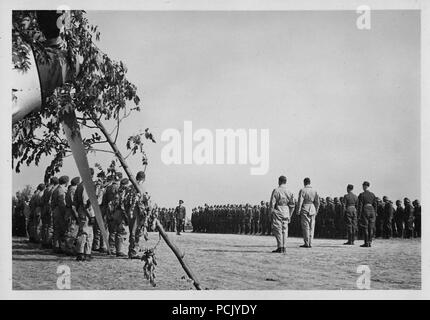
x=179, y=255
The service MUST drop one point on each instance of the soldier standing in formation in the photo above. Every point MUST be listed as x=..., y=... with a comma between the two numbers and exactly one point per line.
x=409, y=218
x=308, y=200
x=58, y=206
x=282, y=205
x=388, y=218
x=34, y=222
x=351, y=203
x=367, y=207
x=47, y=214
x=417, y=218
x=117, y=220
x=71, y=218
x=86, y=218
x=139, y=203
x=180, y=217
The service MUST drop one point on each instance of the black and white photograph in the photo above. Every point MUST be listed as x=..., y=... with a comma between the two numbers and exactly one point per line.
x=173, y=146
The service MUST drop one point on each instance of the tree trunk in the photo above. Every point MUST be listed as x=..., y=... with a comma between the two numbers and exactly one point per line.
x=160, y=228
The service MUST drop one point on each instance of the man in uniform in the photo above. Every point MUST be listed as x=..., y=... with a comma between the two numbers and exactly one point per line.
x=367, y=208
x=281, y=206
x=256, y=219
x=379, y=222
x=398, y=219
x=388, y=217
x=329, y=222
x=409, y=218
x=58, y=207
x=263, y=218
x=180, y=217
x=350, y=201
x=46, y=216
x=309, y=203
x=108, y=194
x=71, y=219
x=118, y=220
x=417, y=218
x=36, y=205
x=339, y=219
x=136, y=214
x=86, y=220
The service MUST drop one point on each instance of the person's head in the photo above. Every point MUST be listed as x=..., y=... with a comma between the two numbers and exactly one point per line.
x=75, y=181
x=385, y=198
x=416, y=203
x=262, y=203
x=349, y=187
x=180, y=202
x=41, y=187
x=306, y=181
x=54, y=181
x=140, y=177
x=406, y=201
x=124, y=182
x=64, y=180
x=118, y=176
x=398, y=203
x=336, y=200
x=366, y=185
x=282, y=180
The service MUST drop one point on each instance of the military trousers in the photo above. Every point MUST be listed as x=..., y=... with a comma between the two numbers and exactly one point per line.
x=134, y=226
x=59, y=228
x=47, y=230
x=35, y=225
x=117, y=232
x=308, y=227
x=71, y=234
x=85, y=236
x=280, y=229
x=367, y=223
x=98, y=241
x=351, y=223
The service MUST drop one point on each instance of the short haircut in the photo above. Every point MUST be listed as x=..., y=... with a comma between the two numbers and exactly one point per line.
x=306, y=181
x=282, y=180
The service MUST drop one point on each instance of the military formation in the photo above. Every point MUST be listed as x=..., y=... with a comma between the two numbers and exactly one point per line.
x=59, y=216
x=336, y=218
x=391, y=221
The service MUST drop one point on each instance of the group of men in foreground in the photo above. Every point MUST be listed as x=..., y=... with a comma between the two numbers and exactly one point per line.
x=61, y=217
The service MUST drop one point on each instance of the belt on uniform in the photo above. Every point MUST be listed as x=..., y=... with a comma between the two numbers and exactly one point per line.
x=368, y=204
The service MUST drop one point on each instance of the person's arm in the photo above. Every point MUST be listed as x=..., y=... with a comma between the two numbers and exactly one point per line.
x=61, y=199
x=272, y=201
x=300, y=201
x=316, y=202
x=72, y=196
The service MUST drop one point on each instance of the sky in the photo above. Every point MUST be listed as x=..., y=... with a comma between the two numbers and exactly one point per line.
x=342, y=105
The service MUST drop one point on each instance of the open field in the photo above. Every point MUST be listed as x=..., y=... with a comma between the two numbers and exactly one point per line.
x=230, y=262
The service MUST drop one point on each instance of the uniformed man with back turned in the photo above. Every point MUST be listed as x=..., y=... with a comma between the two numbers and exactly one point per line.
x=367, y=210
x=350, y=201
x=309, y=203
x=281, y=206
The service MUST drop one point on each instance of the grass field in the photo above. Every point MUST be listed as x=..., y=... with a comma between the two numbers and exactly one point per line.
x=231, y=262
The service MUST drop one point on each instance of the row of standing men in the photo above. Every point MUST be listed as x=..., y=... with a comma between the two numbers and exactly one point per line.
x=403, y=220
x=61, y=217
